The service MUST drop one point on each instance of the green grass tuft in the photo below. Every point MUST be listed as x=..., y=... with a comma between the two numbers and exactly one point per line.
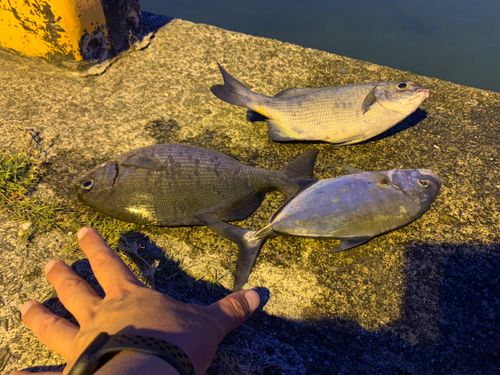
x=19, y=175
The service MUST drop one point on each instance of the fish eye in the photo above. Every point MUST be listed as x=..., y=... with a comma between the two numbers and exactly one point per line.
x=402, y=86
x=423, y=183
x=87, y=185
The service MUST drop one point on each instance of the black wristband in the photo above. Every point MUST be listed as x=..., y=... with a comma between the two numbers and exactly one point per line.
x=105, y=347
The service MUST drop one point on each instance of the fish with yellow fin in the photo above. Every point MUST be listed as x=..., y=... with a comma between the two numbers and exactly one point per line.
x=342, y=114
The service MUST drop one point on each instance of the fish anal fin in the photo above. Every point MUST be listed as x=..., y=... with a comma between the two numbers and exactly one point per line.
x=240, y=209
x=253, y=116
x=279, y=134
x=346, y=244
x=369, y=100
x=144, y=162
x=228, y=231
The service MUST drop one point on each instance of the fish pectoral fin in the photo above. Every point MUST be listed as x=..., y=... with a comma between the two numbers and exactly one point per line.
x=374, y=176
x=136, y=161
x=346, y=244
x=378, y=177
x=369, y=100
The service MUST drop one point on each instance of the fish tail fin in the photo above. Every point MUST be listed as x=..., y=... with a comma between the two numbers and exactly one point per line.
x=232, y=91
x=298, y=174
x=249, y=243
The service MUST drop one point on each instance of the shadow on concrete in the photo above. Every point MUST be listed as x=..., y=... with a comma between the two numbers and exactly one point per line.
x=450, y=321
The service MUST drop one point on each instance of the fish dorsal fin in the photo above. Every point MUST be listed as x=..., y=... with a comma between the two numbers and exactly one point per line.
x=302, y=166
x=293, y=92
x=375, y=176
x=369, y=100
x=142, y=162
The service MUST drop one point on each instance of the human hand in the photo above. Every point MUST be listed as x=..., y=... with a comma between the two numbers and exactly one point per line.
x=129, y=307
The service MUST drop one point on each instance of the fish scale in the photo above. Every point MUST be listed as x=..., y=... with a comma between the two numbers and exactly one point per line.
x=172, y=184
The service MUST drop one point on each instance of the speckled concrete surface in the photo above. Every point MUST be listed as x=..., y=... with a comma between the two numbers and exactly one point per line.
x=424, y=299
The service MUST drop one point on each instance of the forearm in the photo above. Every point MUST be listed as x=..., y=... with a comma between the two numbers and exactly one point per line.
x=133, y=363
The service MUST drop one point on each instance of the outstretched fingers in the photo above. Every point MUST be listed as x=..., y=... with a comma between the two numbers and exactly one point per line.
x=113, y=275
x=74, y=292
x=55, y=332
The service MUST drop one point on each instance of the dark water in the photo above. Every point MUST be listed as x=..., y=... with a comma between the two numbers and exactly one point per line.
x=455, y=40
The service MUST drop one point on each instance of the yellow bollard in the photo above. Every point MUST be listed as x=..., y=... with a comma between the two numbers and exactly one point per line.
x=78, y=30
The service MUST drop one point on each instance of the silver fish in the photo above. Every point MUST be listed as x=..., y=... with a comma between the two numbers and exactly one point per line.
x=343, y=114
x=170, y=184
x=353, y=208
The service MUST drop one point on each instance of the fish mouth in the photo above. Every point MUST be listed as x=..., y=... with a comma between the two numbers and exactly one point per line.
x=423, y=91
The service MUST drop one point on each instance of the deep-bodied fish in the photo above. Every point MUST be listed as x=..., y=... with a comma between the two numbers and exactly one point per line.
x=171, y=184
x=353, y=208
x=343, y=114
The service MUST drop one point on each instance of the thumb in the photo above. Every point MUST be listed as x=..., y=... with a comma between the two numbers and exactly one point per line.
x=234, y=309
